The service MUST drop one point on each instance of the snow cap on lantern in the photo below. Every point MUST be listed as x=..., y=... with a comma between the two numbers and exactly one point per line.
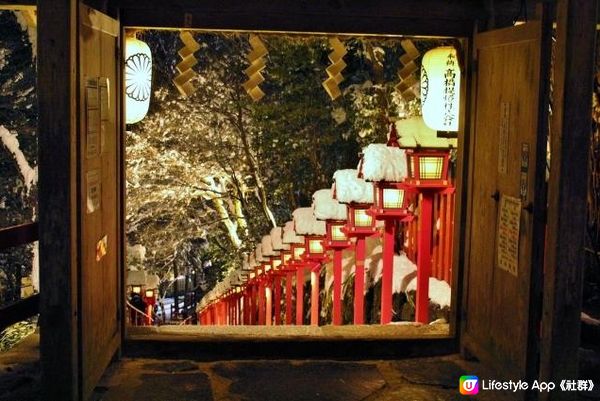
x=289, y=234
x=384, y=163
x=277, y=239
x=440, y=88
x=267, y=246
x=259, y=255
x=327, y=208
x=138, y=79
x=351, y=189
x=305, y=222
x=152, y=281
x=413, y=132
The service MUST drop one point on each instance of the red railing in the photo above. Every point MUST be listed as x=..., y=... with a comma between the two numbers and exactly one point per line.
x=443, y=234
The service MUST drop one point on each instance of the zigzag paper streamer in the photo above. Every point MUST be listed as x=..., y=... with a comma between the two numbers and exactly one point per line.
x=334, y=71
x=407, y=76
x=188, y=60
x=257, y=64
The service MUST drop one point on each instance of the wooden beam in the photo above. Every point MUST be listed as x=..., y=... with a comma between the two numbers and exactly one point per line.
x=18, y=311
x=58, y=194
x=567, y=190
x=415, y=18
x=18, y=235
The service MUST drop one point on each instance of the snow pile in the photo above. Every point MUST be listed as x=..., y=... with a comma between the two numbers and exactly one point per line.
x=277, y=239
x=252, y=263
x=289, y=234
x=305, y=222
x=29, y=174
x=384, y=163
x=404, y=271
x=136, y=277
x=267, y=246
x=349, y=188
x=439, y=291
x=152, y=281
x=413, y=131
x=258, y=254
x=325, y=207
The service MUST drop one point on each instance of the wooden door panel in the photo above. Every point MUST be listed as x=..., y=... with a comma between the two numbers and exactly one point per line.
x=99, y=274
x=505, y=120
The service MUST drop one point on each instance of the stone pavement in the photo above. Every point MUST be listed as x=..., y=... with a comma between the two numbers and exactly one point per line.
x=423, y=379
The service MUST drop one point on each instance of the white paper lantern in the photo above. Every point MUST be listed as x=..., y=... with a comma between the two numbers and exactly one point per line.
x=440, y=89
x=138, y=79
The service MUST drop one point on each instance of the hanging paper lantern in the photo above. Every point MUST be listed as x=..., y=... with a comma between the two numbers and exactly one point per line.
x=440, y=89
x=138, y=79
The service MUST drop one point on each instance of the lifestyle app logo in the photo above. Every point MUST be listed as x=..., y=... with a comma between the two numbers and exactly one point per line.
x=468, y=385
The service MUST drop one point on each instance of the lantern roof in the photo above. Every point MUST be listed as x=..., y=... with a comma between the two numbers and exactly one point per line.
x=325, y=207
x=267, y=246
x=289, y=234
x=349, y=188
x=277, y=239
x=152, y=281
x=136, y=277
x=305, y=222
x=413, y=132
x=382, y=162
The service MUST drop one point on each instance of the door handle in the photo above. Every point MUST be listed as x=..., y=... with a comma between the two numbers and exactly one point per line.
x=496, y=196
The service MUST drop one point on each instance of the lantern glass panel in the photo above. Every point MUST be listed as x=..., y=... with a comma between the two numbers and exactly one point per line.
x=136, y=289
x=430, y=167
x=298, y=252
x=149, y=293
x=362, y=219
x=287, y=257
x=336, y=232
x=393, y=198
x=276, y=263
x=252, y=275
x=315, y=246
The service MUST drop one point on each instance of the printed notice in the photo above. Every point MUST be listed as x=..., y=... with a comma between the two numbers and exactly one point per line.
x=104, y=88
x=507, y=237
x=93, y=191
x=503, y=137
x=92, y=137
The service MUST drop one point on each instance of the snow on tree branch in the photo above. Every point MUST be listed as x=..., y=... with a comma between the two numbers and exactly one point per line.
x=11, y=142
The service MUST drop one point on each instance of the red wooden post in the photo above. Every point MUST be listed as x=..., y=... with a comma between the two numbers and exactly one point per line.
x=268, y=304
x=388, y=271
x=299, y=295
x=314, y=295
x=359, y=281
x=261, y=303
x=337, y=286
x=424, y=258
x=277, y=299
x=253, y=304
x=289, y=287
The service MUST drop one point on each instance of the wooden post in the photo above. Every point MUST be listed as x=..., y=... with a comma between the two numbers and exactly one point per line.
x=58, y=129
x=424, y=258
x=289, y=287
x=277, y=299
x=268, y=304
x=300, y=295
x=261, y=303
x=359, y=282
x=337, y=287
x=567, y=190
x=387, y=274
x=253, y=304
x=314, y=296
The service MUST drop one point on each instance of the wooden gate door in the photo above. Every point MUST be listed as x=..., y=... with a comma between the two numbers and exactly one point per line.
x=100, y=204
x=504, y=239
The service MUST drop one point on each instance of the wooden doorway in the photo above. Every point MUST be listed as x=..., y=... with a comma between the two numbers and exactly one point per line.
x=504, y=238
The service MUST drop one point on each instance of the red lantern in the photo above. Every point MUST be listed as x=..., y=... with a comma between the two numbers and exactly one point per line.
x=428, y=168
x=314, y=249
x=336, y=237
x=391, y=200
x=360, y=223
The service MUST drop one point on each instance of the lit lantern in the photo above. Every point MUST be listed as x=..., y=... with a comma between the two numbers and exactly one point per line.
x=138, y=79
x=136, y=289
x=149, y=294
x=360, y=222
x=428, y=168
x=440, y=88
x=314, y=248
x=336, y=237
x=285, y=257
